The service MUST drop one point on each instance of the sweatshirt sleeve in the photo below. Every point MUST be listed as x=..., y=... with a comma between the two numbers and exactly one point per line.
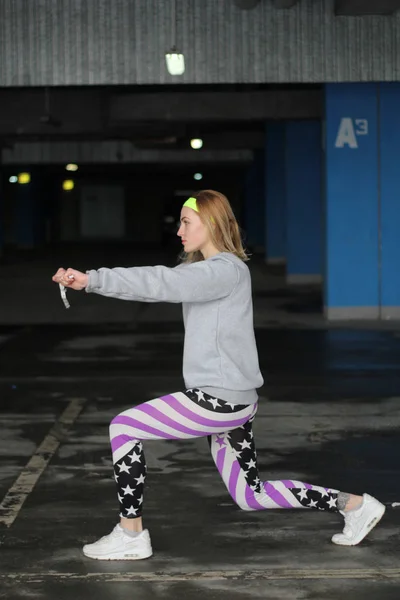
x=197, y=282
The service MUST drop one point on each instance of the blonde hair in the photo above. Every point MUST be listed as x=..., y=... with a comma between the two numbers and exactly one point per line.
x=217, y=215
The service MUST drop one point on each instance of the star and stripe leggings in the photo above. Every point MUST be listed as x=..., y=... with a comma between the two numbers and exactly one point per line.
x=228, y=427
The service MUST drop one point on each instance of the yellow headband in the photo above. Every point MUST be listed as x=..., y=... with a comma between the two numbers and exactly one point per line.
x=191, y=203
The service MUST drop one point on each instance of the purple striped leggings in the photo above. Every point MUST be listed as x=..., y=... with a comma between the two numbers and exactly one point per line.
x=192, y=414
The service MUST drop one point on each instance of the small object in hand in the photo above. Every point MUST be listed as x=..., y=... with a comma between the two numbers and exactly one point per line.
x=63, y=293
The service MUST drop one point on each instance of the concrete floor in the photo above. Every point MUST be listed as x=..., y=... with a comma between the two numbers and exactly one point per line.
x=329, y=414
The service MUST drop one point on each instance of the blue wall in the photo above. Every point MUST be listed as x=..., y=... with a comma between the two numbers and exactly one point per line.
x=303, y=200
x=254, y=203
x=351, y=179
x=275, y=192
x=389, y=115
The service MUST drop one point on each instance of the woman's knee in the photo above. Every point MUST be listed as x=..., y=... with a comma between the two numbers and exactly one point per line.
x=116, y=425
x=242, y=504
x=121, y=425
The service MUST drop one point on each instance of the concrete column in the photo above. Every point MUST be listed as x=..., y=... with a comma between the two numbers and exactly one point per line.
x=254, y=204
x=275, y=202
x=351, y=210
x=389, y=200
x=30, y=213
x=303, y=157
x=1, y=215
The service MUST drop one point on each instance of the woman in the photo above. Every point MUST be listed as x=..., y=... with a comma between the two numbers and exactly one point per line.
x=221, y=374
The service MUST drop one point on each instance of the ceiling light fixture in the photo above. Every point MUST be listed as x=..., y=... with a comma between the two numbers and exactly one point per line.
x=68, y=185
x=24, y=178
x=196, y=143
x=174, y=59
x=198, y=176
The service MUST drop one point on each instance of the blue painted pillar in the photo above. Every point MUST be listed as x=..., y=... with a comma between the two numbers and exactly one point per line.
x=303, y=159
x=275, y=202
x=389, y=199
x=351, y=210
x=254, y=204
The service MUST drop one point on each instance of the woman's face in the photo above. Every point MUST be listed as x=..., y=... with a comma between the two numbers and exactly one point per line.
x=193, y=233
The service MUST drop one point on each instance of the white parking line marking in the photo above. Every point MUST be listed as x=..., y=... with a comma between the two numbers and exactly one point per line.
x=279, y=573
x=27, y=479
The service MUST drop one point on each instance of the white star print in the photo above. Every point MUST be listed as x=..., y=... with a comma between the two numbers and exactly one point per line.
x=244, y=444
x=127, y=490
x=200, y=395
x=116, y=477
x=214, y=402
x=303, y=494
x=237, y=453
x=313, y=504
x=323, y=493
x=251, y=464
x=140, y=500
x=132, y=511
x=134, y=457
x=140, y=479
x=124, y=467
x=257, y=480
x=332, y=503
x=232, y=406
x=254, y=487
x=119, y=498
x=251, y=435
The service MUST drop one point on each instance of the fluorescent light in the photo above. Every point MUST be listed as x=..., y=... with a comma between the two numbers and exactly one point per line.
x=13, y=179
x=198, y=176
x=175, y=62
x=71, y=167
x=196, y=143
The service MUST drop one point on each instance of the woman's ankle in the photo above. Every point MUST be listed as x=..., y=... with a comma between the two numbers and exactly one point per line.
x=346, y=502
x=132, y=524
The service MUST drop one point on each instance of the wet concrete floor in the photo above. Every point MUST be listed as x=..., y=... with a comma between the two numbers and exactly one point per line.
x=329, y=414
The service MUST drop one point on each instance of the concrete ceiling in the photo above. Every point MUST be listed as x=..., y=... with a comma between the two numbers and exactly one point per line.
x=366, y=7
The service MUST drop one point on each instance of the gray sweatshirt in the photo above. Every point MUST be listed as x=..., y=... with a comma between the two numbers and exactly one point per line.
x=220, y=353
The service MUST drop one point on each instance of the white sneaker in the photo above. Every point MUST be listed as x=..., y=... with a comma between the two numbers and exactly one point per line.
x=358, y=523
x=120, y=546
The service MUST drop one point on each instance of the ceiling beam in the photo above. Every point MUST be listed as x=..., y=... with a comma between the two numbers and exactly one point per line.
x=89, y=112
x=284, y=3
x=217, y=106
x=114, y=152
x=359, y=8
x=246, y=4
